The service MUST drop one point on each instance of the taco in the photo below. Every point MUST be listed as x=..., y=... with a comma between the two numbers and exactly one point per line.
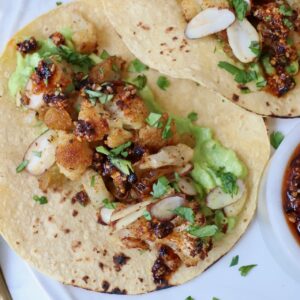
x=245, y=50
x=106, y=184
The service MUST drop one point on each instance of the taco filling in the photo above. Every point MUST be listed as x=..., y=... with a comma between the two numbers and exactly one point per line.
x=159, y=181
x=260, y=38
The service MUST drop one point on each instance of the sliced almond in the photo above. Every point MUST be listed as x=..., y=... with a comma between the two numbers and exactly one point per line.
x=178, y=155
x=185, y=170
x=217, y=199
x=130, y=209
x=240, y=36
x=129, y=219
x=95, y=188
x=186, y=186
x=105, y=214
x=41, y=153
x=163, y=210
x=209, y=21
x=235, y=208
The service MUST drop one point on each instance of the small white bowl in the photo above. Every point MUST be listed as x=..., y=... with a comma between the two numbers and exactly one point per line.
x=277, y=235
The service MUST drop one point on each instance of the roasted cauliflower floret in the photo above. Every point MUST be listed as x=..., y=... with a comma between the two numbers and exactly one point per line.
x=128, y=107
x=92, y=124
x=152, y=137
x=109, y=70
x=72, y=156
x=117, y=137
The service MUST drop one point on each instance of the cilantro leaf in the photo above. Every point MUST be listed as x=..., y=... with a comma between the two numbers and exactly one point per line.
x=288, y=23
x=255, y=48
x=285, y=11
x=185, y=213
x=204, y=231
x=234, y=261
x=189, y=298
x=229, y=185
x=161, y=187
x=240, y=76
x=137, y=66
x=22, y=166
x=167, y=133
x=104, y=55
x=123, y=165
x=215, y=298
x=240, y=7
x=102, y=150
x=119, y=150
x=153, y=120
x=244, y=270
x=276, y=138
x=58, y=3
x=75, y=58
x=163, y=82
x=147, y=215
x=108, y=204
x=140, y=81
x=94, y=95
x=40, y=199
x=193, y=116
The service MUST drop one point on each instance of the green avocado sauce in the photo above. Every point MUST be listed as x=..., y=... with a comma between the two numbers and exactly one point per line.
x=209, y=155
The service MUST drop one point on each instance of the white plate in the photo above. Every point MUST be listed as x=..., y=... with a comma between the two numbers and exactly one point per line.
x=278, y=237
x=267, y=281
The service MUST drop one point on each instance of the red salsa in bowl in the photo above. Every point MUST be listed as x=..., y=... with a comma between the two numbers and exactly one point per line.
x=291, y=194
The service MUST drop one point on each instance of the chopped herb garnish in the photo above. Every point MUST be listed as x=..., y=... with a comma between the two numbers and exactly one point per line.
x=234, y=261
x=202, y=232
x=108, y=204
x=240, y=76
x=137, y=66
x=163, y=82
x=147, y=215
x=229, y=185
x=186, y=213
x=120, y=150
x=103, y=150
x=22, y=166
x=285, y=11
x=240, y=7
x=261, y=84
x=93, y=180
x=75, y=58
x=244, y=270
x=123, y=165
x=255, y=48
x=104, y=54
x=70, y=88
x=276, y=138
x=167, y=133
x=153, y=120
x=115, y=68
x=94, y=95
x=37, y=153
x=189, y=298
x=161, y=187
x=288, y=23
x=58, y=3
x=193, y=116
x=40, y=199
x=215, y=298
x=140, y=81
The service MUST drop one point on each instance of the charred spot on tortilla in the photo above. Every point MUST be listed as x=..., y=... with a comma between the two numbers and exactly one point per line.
x=105, y=285
x=85, y=278
x=82, y=198
x=101, y=265
x=120, y=260
x=235, y=97
x=118, y=291
x=143, y=26
x=75, y=213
